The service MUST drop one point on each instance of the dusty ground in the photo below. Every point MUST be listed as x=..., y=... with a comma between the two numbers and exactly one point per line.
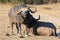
x=48, y=13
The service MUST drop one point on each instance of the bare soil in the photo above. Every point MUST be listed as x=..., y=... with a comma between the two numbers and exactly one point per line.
x=47, y=12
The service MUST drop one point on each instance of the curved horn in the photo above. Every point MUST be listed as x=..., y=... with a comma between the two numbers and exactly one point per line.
x=38, y=18
x=32, y=9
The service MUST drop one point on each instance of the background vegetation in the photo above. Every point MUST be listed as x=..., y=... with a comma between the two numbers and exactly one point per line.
x=30, y=1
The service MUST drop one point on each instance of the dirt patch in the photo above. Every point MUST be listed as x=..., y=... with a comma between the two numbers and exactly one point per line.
x=48, y=15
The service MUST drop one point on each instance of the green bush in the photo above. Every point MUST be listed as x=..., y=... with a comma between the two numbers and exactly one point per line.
x=37, y=1
x=3, y=1
x=18, y=1
x=32, y=1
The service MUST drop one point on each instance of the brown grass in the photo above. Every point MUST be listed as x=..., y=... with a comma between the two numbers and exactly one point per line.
x=52, y=15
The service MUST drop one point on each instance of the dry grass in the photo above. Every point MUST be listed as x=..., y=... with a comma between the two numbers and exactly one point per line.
x=52, y=15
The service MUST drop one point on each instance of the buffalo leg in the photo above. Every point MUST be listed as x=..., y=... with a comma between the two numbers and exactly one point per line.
x=17, y=26
x=12, y=28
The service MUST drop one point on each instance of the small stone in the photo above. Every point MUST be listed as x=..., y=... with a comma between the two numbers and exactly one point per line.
x=7, y=34
x=8, y=27
x=21, y=36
